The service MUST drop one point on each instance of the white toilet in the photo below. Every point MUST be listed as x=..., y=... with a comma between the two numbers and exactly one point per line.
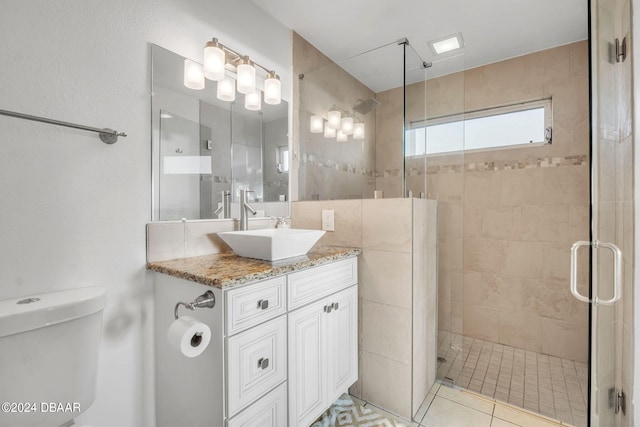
x=49, y=345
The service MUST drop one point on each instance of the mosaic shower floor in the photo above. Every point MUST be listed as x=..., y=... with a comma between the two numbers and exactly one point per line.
x=550, y=386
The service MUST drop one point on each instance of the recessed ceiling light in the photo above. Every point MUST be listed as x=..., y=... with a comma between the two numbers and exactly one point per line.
x=446, y=44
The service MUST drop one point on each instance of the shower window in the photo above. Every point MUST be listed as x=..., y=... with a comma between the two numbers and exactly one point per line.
x=514, y=125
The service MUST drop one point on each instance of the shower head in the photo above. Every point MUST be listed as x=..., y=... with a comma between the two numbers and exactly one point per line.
x=365, y=107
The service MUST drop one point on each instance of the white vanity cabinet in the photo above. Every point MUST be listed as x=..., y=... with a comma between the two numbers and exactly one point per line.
x=323, y=338
x=282, y=350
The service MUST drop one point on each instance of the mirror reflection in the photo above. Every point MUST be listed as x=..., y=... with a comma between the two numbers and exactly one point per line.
x=206, y=150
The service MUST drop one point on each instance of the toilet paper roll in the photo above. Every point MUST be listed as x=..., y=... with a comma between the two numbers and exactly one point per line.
x=189, y=336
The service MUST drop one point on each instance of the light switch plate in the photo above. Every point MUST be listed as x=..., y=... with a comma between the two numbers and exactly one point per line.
x=328, y=223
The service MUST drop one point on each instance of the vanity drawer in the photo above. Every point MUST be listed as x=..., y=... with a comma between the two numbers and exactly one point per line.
x=256, y=363
x=253, y=304
x=269, y=411
x=315, y=283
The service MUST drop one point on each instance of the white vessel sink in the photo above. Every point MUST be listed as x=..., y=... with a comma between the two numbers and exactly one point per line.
x=271, y=244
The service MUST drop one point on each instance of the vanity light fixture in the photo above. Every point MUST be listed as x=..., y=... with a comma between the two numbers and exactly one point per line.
x=329, y=132
x=446, y=44
x=193, y=75
x=218, y=59
x=358, y=131
x=346, y=125
x=227, y=89
x=334, y=119
x=214, y=61
x=253, y=100
x=340, y=125
x=246, y=76
x=315, y=124
x=272, y=89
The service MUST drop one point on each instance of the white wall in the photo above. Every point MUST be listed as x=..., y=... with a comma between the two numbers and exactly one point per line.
x=72, y=209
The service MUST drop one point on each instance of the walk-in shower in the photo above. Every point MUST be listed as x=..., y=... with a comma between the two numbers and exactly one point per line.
x=525, y=156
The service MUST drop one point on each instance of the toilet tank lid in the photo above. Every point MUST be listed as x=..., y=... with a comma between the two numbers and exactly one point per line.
x=41, y=310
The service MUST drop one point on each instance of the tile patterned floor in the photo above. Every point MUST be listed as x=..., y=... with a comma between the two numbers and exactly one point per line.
x=451, y=407
x=547, y=385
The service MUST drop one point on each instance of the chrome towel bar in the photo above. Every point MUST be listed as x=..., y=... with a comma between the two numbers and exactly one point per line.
x=108, y=136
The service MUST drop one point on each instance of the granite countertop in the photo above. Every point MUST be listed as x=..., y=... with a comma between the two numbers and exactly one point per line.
x=228, y=270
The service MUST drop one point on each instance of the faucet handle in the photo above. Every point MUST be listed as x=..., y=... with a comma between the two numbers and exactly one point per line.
x=282, y=221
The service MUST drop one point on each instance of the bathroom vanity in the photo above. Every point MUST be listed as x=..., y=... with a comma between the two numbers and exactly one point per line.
x=283, y=345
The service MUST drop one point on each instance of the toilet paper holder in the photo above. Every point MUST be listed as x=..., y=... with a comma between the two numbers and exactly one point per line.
x=206, y=300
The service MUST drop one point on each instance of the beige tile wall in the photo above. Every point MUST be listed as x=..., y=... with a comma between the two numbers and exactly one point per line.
x=425, y=305
x=504, y=235
x=397, y=293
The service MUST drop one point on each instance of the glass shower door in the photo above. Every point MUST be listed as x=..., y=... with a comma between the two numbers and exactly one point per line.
x=611, y=243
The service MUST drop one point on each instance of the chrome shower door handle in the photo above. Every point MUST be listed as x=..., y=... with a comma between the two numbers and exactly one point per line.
x=617, y=273
x=574, y=270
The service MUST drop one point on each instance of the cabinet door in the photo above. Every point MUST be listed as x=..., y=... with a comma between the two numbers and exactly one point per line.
x=307, y=364
x=342, y=342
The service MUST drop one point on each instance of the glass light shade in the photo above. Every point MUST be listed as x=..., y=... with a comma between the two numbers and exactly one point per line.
x=329, y=132
x=347, y=125
x=227, y=89
x=272, y=90
x=358, y=131
x=214, y=61
x=341, y=136
x=253, y=100
x=246, y=78
x=193, y=75
x=334, y=119
x=315, y=124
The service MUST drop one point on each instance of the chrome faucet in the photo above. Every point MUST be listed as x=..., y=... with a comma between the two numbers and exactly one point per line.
x=225, y=206
x=244, y=207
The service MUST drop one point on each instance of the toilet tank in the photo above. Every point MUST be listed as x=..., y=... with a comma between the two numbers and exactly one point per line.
x=49, y=346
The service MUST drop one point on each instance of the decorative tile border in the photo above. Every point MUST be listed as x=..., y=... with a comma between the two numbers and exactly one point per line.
x=352, y=168
x=544, y=162
x=496, y=165
x=215, y=178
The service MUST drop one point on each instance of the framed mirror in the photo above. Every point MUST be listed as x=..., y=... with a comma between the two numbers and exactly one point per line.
x=204, y=150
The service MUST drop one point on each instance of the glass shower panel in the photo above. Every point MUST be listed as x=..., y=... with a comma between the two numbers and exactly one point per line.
x=443, y=180
x=415, y=111
x=358, y=88
x=246, y=151
x=180, y=167
x=612, y=210
x=215, y=137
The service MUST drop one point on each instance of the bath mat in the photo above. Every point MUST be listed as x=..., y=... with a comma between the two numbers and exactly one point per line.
x=346, y=413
